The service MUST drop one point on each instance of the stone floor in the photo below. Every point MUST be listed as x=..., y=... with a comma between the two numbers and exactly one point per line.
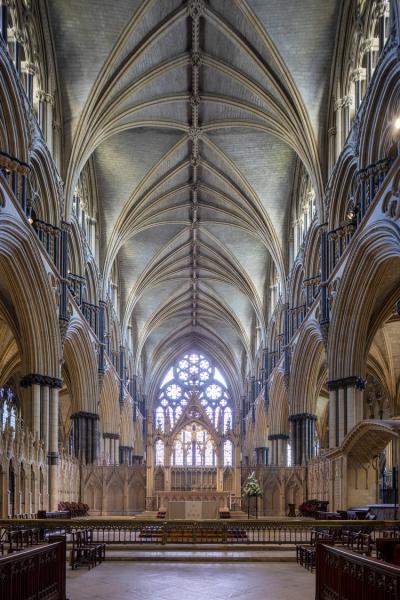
x=177, y=581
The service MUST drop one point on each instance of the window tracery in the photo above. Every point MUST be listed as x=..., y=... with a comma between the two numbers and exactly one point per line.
x=194, y=445
x=191, y=372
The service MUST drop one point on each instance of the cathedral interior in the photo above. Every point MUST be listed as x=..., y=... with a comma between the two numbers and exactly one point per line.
x=199, y=260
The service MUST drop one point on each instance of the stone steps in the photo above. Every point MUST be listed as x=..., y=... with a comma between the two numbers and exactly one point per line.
x=192, y=555
x=200, y=553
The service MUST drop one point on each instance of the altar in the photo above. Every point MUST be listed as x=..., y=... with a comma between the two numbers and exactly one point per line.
x=192, y=505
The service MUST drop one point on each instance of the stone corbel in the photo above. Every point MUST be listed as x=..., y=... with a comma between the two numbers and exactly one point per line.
x=382, y=9
x=43, y=96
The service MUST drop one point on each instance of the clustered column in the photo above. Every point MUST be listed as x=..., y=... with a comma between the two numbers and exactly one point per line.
x=111, y=447
x=44, y=422
x=278, y=449
x=262, y=455
x=86, y=436
x=126, y=455
x=303, y=437
x=345, y=407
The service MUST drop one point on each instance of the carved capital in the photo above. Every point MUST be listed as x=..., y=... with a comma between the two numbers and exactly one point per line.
x=345, y=382
x=37, y=379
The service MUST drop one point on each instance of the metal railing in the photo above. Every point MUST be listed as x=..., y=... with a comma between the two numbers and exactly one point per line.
x=230, y=531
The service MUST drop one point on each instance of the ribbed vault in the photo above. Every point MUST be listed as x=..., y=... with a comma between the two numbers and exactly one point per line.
x=193, y=115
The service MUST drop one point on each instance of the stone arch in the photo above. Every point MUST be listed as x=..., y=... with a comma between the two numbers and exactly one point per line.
x=109, y=403
x=45, y=200
x=14, y=136
x=342, y=190
x=312, y=252
x=377, y=135
x=25, y=291
x=308, y=360
x=76, y=253
x=362, y=446
x=126, y=424
x=81, y=364
x=278, y=403
x=371, y=284
x=296, y=292
x=92, y=283
x=261, y=423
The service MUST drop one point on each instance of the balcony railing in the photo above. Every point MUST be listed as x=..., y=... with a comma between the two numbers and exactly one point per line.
x=368, y=182
x=50, y=238
x=91, y=314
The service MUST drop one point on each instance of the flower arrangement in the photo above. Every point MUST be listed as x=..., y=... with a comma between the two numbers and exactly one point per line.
x=251, y=487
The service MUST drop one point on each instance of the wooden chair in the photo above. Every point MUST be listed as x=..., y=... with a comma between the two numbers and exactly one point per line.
x=82, y=553
x=98, y=546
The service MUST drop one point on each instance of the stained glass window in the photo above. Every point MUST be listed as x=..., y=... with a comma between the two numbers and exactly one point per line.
x=193, y=447
x=194, y=371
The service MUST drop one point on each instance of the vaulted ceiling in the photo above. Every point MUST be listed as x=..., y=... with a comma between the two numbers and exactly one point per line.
x=194, y=115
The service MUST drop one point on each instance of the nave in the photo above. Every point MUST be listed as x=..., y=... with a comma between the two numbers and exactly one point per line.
x=199, y=275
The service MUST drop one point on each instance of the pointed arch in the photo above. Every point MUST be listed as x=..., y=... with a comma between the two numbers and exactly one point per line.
x=26, y=290
x=81, y=364
x=308, y=359
x=109, y=403
x=370, y=283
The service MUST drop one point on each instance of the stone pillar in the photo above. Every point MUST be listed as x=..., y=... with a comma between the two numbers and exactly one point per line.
x=149, y=463
x=63, y=315
x=345, y=407
x=121, y=373
x=282, y=449
x=86, y=436
x=220, y=467
x=102, y=306
x=125, y=455
x=278, y=449
x=53, y=449
x=262, y=456
x=237, y=467
x=331, y=148
x=116, y=458
x=36, y=409
x=303, y=436
x=167, y=467
x=44, y=412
